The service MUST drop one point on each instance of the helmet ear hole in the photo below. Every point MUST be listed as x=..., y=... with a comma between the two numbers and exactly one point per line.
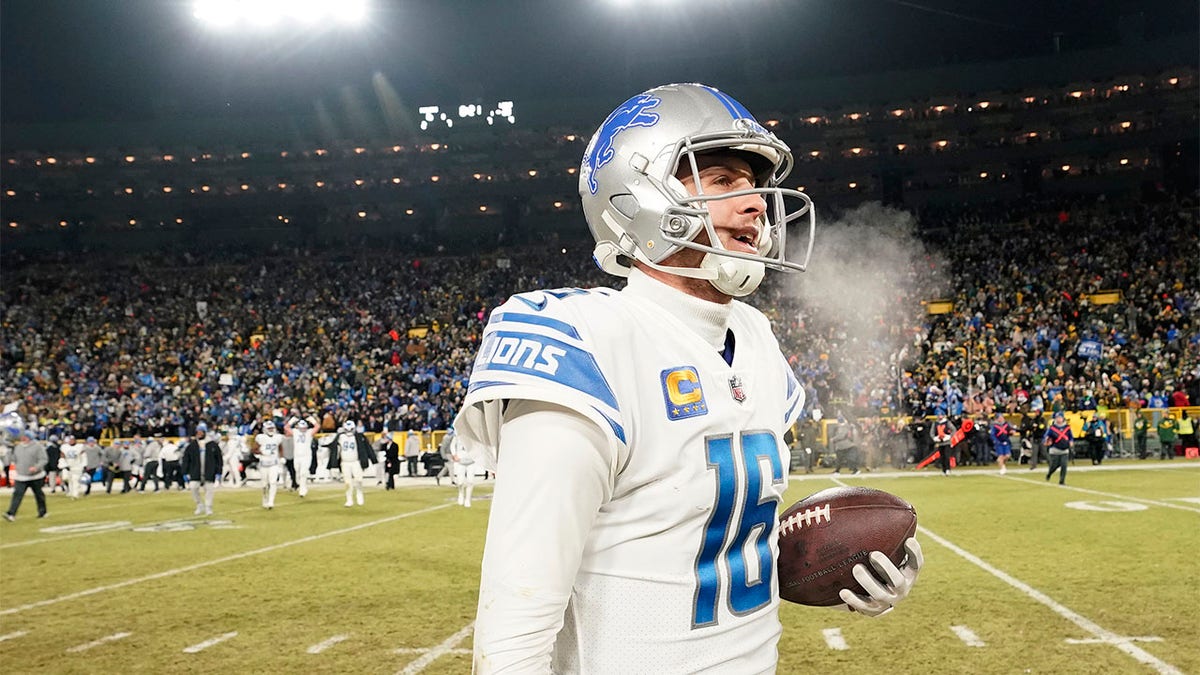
x=625, y=204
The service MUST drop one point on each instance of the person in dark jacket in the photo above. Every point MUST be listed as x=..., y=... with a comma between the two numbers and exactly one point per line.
x=53, y=454
x=941, y=432
x=201, y=466
x=1098, y=437
x=1033, y=429
x=391, y=460
x=1058, y=441
x=844, y=444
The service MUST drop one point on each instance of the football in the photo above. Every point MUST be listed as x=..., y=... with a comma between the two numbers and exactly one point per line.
x=823, y=536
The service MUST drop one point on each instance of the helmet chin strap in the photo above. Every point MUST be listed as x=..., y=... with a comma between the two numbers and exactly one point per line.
x=734, y=276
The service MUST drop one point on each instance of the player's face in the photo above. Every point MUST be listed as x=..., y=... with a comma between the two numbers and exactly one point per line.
x=737, y=219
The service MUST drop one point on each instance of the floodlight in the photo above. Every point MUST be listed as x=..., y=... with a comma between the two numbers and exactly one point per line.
x=351, y=11
x=215, y=12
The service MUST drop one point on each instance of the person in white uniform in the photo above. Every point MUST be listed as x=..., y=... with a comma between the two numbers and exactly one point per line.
x=646, y=430
x=270, y=461
x=72, y=461
x=302, y=430
x=354, y=455
x=232, y=448
x=463, y=470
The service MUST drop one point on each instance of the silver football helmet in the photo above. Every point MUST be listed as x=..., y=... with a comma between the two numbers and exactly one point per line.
x=637, y=209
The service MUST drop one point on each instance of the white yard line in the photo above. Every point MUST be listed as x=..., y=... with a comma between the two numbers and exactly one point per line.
x=1092, y=641
x=131, y=526
x=834, y=640
x=1113, y=495
x=13, y=636
x=217, y=561
x=1103, y=635
x=209, y=642
x=326, y=644
x=968, y=636
x=437, y=652
x=96, y=643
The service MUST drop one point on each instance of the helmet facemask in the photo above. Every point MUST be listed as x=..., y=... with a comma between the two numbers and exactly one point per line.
x=650, y=215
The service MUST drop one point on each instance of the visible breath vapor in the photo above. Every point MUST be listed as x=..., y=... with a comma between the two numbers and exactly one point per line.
x=860, y=298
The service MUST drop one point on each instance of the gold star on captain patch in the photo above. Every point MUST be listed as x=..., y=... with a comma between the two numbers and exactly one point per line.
x=675, y=411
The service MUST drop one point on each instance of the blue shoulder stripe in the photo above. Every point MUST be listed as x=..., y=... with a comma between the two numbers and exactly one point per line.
x=618, y=430
x=537, y=320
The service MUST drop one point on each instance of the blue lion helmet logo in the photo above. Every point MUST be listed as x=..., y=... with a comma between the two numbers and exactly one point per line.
x=632, y=113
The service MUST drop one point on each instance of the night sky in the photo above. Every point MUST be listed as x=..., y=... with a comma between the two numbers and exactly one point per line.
x=98, y=60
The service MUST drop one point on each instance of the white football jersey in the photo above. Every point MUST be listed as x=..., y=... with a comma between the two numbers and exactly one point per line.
x=268, y=448
x=678, y=573
x=72, y=457
x=347, y=448
x=302, y=443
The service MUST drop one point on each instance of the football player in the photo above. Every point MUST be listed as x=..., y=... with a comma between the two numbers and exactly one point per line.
x=302, y=430
x=72, y=462
x=638, y=436
x=270, y=456
x=354, y=455
x=463, y=471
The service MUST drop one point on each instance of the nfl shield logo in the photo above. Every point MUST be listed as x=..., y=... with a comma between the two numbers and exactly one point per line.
x=737, y=389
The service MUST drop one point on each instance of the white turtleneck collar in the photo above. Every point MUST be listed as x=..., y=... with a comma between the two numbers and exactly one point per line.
x=709, y=320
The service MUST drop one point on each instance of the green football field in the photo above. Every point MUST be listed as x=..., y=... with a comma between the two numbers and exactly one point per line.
x=1022, y=576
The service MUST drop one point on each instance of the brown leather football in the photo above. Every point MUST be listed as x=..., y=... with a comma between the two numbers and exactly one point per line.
x=823, y=536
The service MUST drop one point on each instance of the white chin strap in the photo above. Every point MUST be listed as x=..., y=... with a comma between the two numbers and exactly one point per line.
x=734, y=276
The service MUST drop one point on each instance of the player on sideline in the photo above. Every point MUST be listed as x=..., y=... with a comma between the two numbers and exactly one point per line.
x=354, y=454
x=463, y=471
x=302, y=430
x=270, y=454
x=71, y=461
x=638, y=437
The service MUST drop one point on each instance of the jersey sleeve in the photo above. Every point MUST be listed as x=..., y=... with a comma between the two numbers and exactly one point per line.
x=793, y=395
x=536, y=347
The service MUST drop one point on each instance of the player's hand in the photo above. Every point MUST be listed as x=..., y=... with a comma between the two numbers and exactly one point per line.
x=881, y=597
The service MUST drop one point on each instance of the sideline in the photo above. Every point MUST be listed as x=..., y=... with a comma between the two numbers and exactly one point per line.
x=217, y=561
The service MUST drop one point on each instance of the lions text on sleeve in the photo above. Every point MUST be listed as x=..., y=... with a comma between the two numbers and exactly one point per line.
x=679, y=569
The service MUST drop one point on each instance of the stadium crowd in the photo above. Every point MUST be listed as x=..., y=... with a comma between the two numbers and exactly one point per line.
x=158, y=343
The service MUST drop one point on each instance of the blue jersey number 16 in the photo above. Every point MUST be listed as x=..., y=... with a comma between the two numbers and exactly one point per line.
x=739, y=475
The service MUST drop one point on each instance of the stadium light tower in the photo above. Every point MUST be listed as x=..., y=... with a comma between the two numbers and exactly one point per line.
x=269, y=13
